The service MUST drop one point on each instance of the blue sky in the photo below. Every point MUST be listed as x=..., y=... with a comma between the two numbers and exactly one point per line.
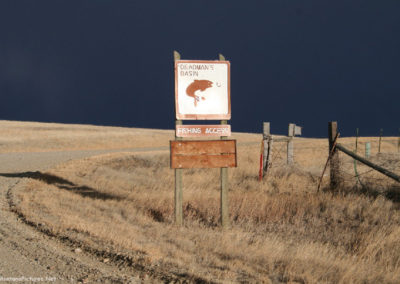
x=111, y=62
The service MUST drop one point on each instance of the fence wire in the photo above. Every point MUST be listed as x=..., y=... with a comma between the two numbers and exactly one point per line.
x=354, y=175
x=310, y=155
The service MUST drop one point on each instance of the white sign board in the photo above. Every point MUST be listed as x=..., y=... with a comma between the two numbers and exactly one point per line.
x=202, y=90
x=294, y=129
x=297, y=130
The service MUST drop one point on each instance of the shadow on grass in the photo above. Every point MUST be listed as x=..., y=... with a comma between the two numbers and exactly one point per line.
x=64, y=184
x=391, y=193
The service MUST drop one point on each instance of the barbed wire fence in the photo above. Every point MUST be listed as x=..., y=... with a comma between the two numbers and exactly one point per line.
x=355, y=174
x=277, y=151
x=310, y=155
x=375, y=171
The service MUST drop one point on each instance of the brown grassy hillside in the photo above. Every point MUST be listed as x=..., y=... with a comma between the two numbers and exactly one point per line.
x=283, y=230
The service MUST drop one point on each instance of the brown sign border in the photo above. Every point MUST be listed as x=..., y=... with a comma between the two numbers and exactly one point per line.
x=203, y=116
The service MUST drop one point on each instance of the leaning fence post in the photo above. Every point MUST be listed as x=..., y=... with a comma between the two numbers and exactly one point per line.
x=334, y=161
x=384, y=171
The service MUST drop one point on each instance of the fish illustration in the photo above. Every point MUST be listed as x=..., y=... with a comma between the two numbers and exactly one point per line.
x=198, y=85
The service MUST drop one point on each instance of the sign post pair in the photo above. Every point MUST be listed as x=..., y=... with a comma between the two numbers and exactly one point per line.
x=202, y=92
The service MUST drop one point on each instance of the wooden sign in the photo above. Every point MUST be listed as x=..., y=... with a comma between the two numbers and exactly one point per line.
x=297, y=130
x=203, y=154
x=294, y=129
x=202, y=90
x=202, y=130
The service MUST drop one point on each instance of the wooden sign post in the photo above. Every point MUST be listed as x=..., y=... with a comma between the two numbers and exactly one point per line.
x=202, y=92
x=178, y=173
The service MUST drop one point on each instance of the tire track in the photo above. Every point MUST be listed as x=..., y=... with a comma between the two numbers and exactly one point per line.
x=29, y=255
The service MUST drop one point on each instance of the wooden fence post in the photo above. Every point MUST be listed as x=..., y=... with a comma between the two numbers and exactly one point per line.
x=357, y=133
x=290, y=144
x=334, y=161
x=270, y=143
x=178, y=175
x=267, y=145
x=380, y=140
x=398, y=143
x=224, y=183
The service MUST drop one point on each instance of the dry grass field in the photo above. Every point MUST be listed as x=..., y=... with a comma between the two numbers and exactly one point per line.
x=120, y=205
x=37, y=137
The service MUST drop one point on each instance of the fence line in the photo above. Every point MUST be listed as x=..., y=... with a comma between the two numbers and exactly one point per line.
x=368, y=163
x=334, y=158
x=383, y=153
x=268, y=141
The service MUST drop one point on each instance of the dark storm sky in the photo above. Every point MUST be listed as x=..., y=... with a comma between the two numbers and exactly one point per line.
x=111, y=62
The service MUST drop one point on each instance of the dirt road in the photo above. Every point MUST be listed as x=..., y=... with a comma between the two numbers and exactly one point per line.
x=27, y=255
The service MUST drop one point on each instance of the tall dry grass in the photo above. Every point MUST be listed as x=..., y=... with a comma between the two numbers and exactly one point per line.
x=283, y=230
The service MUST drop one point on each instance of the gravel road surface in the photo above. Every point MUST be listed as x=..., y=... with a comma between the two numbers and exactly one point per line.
x=28, y=256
